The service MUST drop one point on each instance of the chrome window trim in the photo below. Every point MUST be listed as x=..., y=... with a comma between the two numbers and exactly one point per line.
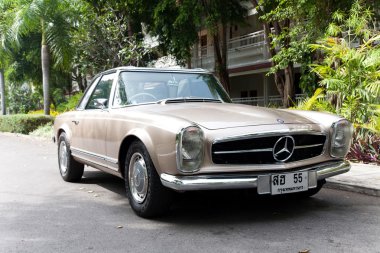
x=113, y=72
x=84, y=100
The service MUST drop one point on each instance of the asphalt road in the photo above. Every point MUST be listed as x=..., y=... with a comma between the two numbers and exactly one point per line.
x=39, y=212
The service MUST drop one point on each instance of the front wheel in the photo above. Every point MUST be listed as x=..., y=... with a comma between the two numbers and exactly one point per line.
x=147, y=196
x=71, y=170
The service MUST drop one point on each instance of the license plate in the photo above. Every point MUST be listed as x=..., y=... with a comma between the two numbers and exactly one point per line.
x=289, y=182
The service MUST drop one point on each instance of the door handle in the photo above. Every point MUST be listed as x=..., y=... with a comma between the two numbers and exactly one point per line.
x=76, y=122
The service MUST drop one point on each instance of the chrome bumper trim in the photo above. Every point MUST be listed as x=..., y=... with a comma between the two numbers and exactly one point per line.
x=243, y=181
x=333, y=170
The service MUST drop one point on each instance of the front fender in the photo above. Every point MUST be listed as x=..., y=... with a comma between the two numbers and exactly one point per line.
x=59, y=128
x=161, y=146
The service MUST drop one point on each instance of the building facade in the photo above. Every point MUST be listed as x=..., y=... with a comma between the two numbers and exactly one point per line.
x=248, y=63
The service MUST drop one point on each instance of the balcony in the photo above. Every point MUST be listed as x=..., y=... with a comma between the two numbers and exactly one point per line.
x=243, y=51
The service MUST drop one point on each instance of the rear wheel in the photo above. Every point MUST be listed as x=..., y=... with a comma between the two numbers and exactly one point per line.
x=147, y=196
x=71, y=170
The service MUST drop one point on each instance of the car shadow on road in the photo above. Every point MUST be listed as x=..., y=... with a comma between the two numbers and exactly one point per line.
x=239, y=206
x=104, y=180
x=227, y=206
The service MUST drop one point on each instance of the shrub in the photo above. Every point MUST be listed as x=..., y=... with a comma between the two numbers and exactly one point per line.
x=45, y=131
x=41, y=112
x=317, y=102
x=365, y=147
x=349, y=69
x=366, y=139
x=23, y=123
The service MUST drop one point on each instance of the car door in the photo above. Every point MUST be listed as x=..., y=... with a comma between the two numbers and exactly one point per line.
x=89, y=126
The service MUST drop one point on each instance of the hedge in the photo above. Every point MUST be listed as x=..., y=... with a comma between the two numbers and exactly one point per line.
x=23, y=123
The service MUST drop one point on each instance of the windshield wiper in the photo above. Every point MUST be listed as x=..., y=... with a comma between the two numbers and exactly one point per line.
x=187, y=99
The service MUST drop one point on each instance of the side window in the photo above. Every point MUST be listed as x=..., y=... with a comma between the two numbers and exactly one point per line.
x=87, y=94
x=101, y=93
x=120, y=98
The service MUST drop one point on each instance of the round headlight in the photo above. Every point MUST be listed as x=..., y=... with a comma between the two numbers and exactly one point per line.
x=190, y=149
x=341, y=138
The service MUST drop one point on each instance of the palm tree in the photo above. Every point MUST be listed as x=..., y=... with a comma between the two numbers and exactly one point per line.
x=5, y=17
x=52, y=19
x=2, y=92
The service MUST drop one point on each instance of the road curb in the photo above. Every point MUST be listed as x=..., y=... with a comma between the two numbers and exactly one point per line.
x=332, y=184
x=26, y=136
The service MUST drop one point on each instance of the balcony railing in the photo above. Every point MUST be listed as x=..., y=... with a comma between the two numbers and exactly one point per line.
x=242, y=51
x=274, y=101
x=248, y=40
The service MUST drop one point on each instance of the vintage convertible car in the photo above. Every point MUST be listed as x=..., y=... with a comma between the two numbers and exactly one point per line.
x=168, y=130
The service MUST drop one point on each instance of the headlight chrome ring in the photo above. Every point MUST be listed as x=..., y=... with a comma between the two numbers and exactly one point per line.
x=190, y=149
x=340, y=138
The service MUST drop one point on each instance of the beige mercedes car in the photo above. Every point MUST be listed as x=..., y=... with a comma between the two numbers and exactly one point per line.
x=176, y=130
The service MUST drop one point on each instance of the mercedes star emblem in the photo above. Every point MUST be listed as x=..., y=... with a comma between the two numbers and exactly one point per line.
x=283, y=148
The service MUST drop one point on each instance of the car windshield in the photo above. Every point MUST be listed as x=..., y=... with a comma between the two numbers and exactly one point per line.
x=165, y=87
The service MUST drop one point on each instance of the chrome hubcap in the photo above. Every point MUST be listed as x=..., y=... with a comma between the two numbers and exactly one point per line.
x=63, y=157
x=138, y=177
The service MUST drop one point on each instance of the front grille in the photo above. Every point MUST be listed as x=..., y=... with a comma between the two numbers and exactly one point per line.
x=259, y=150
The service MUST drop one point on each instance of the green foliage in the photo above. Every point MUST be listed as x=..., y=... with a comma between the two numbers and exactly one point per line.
x=350, y=74
x=52, y=19
x=71, y=103
x=316, y=103
x=45, y=131
x=21, y=99
x=36, y=24
x=296, y=24
x=177, y=23
x=176, y=26
x=103, y=39
x=350, y=69
x=23, y=123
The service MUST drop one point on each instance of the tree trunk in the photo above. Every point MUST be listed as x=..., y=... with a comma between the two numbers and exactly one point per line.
x=188, y=60
x=278, y=78
x=220, y=54
x=284, y=79
x=80, y=82
x=289, y=94
x=45, y=61
x=2, y=91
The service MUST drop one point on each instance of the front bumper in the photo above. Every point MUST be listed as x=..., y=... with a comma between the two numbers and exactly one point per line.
x=261, y=181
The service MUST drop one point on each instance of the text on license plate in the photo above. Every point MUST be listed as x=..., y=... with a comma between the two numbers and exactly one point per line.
x=289, y=182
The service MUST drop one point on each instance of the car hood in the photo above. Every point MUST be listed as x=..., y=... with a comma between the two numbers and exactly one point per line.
x=223, y=115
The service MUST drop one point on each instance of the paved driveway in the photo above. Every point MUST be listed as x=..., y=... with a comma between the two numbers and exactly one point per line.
x=39, y=212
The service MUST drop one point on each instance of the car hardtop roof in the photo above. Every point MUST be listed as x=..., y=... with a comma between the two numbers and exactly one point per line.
x=144, y=69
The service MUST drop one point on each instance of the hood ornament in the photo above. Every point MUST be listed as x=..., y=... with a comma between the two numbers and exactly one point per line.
x=280, y=121
x=283, y=149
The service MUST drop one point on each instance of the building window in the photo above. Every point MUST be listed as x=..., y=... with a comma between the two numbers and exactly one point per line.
x=244, y=94
x=253, y=93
